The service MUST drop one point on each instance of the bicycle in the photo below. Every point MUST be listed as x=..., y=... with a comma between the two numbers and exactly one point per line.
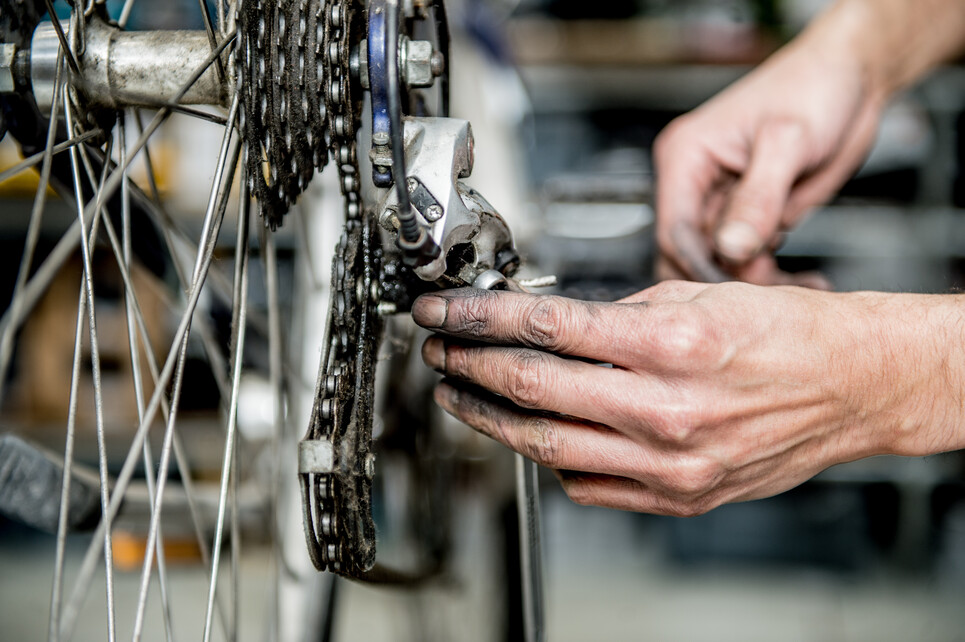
x=292, y=84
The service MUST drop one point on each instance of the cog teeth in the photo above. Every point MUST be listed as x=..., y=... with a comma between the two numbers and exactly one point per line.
x=285, y=107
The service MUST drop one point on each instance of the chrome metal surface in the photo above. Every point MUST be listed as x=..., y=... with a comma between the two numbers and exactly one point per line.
x=44, y=56
x=439, y=152
x=530, y=548
x=129, y=68
x=147, y=68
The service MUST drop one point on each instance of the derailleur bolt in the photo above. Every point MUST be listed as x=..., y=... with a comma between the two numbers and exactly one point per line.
x=434, y=213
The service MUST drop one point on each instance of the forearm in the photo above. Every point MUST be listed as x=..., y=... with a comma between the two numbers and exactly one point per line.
x=920, y=388
x=895, y=41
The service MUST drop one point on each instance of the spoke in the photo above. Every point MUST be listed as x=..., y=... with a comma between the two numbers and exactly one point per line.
x=53, y=632
x=240, y=306
x=217, y=203
x=314, y=274
x=127, y=470
x=212, y=37
x=64, y=45
x=275, y=352
x=148, y=162
x=125, y=14
x=136, y=369
x=96, y=373
x=244, y=219
x=31, y=161
x=33, y=233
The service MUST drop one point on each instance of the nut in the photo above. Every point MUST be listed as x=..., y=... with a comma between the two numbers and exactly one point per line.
x=418, y=63
x=8, y=54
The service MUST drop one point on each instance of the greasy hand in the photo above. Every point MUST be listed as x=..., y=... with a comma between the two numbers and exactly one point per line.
x=740, y=171
x=716, y=393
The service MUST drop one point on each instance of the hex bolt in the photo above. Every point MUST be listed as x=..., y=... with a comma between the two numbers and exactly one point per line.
x=434, y=213
x=438, y=63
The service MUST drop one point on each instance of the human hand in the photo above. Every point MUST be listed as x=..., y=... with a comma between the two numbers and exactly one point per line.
x=737, y=173
x=716, y=394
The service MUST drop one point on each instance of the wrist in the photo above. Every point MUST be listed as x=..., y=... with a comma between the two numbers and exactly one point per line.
x=913, y=385
x=894, y=42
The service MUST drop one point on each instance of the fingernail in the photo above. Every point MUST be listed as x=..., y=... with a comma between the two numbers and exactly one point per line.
x=447, y=397
x=434, y=353
x=738, y=241
x=430, y=311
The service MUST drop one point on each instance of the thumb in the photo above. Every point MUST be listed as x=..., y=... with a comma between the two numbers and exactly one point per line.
x=754, y=213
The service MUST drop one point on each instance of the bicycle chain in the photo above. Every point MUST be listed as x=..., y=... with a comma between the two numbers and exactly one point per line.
x=344, y=28
x=342, y=537
x=338, y=517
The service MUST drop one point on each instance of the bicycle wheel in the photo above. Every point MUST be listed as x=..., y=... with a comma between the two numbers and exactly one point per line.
x=88, y=101
x=137, y=257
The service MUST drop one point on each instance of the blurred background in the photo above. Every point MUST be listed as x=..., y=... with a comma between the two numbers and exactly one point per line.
x=566, y=98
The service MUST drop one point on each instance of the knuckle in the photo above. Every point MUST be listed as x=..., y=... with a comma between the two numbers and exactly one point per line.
x=677, y=424
x=695, y=478
x=580, y=492
x=526, y=385
x=473, y=314
x=755, y=204
x=683, y=336
x=665, y=290
x=457, y=362
x=544, y=323
x=670, y=138
x=544, y=443
x=689, y=509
